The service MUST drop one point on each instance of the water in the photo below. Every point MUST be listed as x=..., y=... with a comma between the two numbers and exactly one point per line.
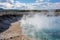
x=41, y=26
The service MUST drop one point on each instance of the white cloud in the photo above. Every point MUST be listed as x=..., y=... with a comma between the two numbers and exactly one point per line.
x=6, y=5
x=39, y=0
x=42, y=1
x=12, y=1
x=40, y=4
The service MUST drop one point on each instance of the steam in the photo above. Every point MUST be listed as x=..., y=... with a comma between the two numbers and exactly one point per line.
x=40, y=21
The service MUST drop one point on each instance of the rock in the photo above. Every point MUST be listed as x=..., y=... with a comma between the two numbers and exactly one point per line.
x=11, y=30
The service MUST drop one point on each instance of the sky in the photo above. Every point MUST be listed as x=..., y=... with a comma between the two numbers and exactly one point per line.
x=30, y=4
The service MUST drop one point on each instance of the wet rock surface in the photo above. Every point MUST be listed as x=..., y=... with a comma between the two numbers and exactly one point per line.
x=10, y=27
x=6, y=20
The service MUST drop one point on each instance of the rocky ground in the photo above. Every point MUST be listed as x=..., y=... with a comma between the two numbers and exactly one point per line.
x=10, y=28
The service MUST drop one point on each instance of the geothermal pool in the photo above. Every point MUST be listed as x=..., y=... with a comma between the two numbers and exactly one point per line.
x=35, y=25
x=41, y=27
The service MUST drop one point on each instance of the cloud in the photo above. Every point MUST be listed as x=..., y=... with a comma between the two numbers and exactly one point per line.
x=6, y=5
x=12, y=1
x=39, y=4
x=39, y=0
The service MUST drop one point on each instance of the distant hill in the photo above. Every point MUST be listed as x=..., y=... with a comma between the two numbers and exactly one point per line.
x=1, y=9
x=58, y=10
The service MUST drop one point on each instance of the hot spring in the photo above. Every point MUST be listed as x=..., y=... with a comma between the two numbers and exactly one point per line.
x=41, y=26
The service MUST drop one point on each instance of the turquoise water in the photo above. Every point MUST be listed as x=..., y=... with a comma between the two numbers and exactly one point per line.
x=42, y=27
